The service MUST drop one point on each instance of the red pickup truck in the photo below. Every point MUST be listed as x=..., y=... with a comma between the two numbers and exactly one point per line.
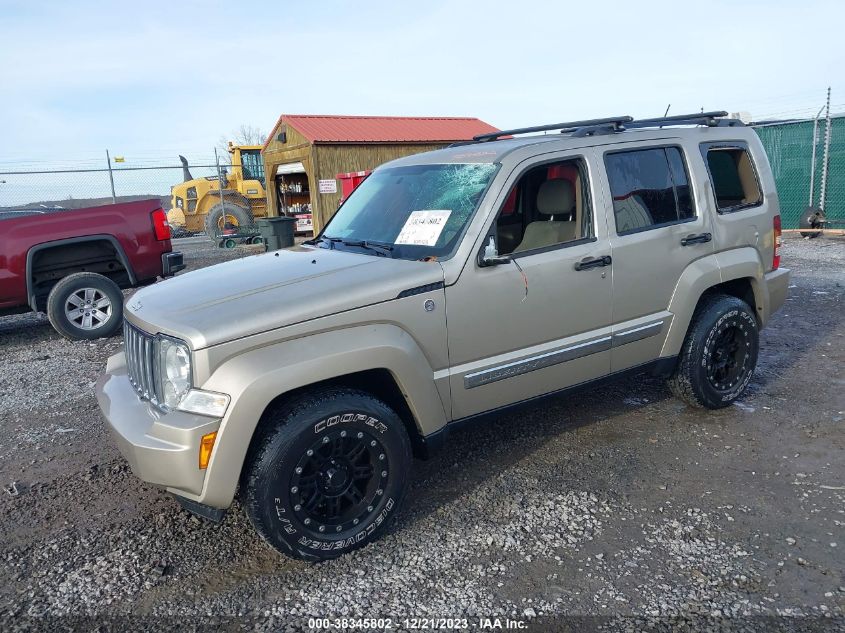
x=72, y=264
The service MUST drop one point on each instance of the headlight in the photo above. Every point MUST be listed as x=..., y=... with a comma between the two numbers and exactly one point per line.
x=175, y=364
x=176, y=381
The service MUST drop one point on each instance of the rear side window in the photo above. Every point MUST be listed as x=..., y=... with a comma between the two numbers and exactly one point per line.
x=733, y=176
x=650, y=188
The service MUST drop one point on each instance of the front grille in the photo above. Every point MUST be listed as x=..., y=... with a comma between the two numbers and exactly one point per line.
x=140, y=361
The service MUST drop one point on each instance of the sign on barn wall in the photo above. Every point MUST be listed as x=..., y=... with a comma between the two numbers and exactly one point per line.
x=327, y=186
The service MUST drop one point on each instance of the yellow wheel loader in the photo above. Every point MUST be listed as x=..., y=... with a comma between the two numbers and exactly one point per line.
x=197, y=203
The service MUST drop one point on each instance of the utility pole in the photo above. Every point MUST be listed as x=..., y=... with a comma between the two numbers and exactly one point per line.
x=111, y=178
x=813, y=160
x=826, y=153
x=220, y=186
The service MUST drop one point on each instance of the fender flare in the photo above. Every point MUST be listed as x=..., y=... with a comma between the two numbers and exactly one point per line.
x=745, y=263
x=699, y=277
x=34, y=250
x=256, y=378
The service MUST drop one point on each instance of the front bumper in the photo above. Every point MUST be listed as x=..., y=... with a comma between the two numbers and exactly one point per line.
x=161, y=449
x=171, y=263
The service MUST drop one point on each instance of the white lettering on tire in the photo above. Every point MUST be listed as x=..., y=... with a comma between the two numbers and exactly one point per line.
x=346, y=418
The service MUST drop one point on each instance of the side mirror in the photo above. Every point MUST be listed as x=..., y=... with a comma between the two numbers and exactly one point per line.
x=490, y=256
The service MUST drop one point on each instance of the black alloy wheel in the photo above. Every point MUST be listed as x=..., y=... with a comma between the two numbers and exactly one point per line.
x=338, y=481
x=726, y=364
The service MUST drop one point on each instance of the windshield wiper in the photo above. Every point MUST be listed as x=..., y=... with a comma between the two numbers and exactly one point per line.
x=385, y=250
x=324, y=238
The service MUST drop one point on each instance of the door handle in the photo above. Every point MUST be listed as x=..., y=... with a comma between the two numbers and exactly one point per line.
x=593, y=262
x=696, y=238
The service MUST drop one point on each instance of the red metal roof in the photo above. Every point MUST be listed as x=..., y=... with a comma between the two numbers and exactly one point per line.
x=321, y=128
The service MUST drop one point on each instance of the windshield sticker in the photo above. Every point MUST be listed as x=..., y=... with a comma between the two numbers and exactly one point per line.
x=423, y=228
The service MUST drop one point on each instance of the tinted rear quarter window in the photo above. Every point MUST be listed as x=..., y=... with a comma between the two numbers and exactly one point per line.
x=650, y=188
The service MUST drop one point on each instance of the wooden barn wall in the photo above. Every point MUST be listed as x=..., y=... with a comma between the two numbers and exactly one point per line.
x=330, y=160
x=297, y=149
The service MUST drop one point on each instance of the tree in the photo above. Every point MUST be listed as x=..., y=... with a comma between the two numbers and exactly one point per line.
x=244, y=135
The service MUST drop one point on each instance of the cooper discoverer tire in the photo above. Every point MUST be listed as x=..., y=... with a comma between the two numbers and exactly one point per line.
x=719, y=354
x=85, y=306
x=328, y=473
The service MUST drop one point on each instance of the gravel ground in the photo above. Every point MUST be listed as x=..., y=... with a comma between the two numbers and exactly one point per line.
x=624, y=510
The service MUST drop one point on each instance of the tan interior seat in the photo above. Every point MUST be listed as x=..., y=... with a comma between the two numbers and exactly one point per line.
x=631, y=213
x=555, y=199
x=750, y=189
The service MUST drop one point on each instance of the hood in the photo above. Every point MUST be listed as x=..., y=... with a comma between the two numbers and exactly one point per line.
x=268, y=291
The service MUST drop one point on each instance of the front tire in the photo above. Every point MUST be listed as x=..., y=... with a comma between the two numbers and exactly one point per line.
x=85, y=306
x=328, y=475
x=719, y=355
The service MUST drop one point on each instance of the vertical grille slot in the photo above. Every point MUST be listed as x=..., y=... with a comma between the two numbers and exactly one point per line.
x=140, y=362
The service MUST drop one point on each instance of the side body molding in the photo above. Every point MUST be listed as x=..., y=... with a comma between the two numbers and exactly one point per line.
x=256, y=378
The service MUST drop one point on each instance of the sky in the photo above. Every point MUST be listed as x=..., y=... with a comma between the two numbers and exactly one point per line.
x=155, y=79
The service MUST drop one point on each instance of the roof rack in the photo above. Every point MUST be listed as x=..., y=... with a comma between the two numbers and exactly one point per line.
x=611, y=125
x=710, y=119
x=571, y=125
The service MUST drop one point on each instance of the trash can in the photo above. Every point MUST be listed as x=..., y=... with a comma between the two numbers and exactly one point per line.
x=277, y=232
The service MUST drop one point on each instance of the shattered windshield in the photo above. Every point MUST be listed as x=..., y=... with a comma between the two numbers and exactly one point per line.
x=409, y=212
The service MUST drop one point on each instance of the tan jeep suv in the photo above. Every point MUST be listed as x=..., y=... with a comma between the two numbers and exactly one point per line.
x=449, y=285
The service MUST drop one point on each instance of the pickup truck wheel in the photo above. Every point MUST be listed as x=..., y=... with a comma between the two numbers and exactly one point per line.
x=719, y=353
x=85, y=306
x=328, y=475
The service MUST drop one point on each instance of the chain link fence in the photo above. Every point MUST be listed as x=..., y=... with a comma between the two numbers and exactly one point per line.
x=790, y=146
x=801, y=179
x=79, y=188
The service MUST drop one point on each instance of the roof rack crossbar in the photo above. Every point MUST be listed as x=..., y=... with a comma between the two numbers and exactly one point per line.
x=710, y=119
x=609, y=125
x=615, y=121
x=683, y=117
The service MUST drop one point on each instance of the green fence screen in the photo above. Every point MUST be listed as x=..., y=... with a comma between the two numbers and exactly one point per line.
x=790, y=150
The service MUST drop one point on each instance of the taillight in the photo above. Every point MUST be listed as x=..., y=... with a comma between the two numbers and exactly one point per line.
x=160, y=225
x=778, y=239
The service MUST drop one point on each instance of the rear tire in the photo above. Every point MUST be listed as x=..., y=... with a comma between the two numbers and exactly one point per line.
x=328, y=474
x=235, y=215
x=85, y=306
x=719, y=355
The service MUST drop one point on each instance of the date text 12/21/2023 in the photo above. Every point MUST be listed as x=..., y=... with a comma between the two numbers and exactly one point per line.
x=416, y=624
